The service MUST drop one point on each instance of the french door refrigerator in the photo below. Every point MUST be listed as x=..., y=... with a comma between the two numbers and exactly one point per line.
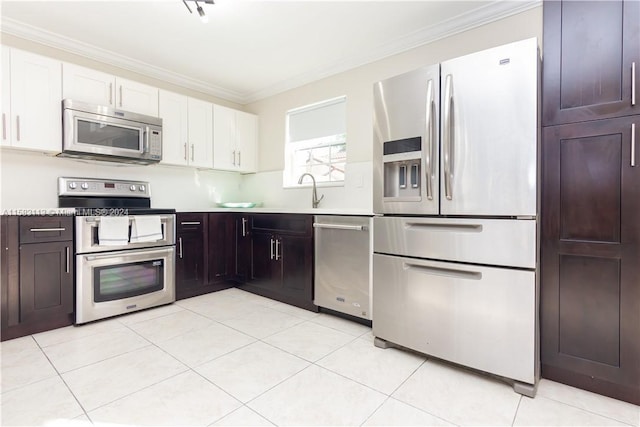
x=455, y=187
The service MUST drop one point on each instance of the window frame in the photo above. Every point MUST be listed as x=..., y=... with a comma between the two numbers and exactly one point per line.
x=291, y=148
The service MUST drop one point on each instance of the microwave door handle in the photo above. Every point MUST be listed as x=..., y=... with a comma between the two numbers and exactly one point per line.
x=145, y=137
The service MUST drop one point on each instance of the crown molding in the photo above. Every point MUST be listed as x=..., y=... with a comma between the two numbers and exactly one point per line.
x=47, y=38
x=489, y=13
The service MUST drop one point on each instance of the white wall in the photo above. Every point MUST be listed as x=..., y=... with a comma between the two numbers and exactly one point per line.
x=189, y=188
x=30, y=180
x=357, y=85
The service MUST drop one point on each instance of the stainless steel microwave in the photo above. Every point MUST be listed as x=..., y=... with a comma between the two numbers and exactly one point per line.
x=102, y=133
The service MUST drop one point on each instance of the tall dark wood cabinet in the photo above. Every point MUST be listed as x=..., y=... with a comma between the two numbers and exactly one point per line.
x=590, y=211
x=37, y=274
x=590, y=51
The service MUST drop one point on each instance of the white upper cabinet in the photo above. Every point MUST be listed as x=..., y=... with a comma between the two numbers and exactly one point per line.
x=187, y=130
x=87, y=85
x=173, y=109
x=247, y=141
x=33, y=117
x=95, y=87
x=137, y=97
x=6, y=97
x=224, y=150
x=200, y=124
x=234, y=139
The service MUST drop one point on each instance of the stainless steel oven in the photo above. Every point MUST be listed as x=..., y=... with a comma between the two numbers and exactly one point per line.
x=113, y=283
x=129, y=276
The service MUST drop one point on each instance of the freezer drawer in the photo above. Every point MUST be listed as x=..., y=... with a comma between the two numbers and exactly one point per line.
x=503, y=242
x=481, y=317
x=343, y=264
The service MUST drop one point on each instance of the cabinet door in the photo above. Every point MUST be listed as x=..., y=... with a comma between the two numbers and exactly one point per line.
x=191, y=262
x=246, y=141
x=87, y=85
x=225, y=156
x=173, y=109
x=46, y=280
x=295, y=261
x=243, y=248
x=36, y=108
x=221, y=248
x=263, y=271
x=200, y=147
x=137, y=97
x=589, y=51
x=6, y=97
x=590, y=247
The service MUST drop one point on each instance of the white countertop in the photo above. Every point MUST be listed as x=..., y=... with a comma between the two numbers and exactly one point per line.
x=310, y=211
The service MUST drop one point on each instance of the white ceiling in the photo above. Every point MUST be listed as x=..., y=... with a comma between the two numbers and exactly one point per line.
x=249, y=49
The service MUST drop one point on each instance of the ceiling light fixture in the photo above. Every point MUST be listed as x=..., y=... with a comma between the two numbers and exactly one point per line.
x=203, y=17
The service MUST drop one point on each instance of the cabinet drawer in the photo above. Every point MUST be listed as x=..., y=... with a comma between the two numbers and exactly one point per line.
x=191, y=222
x=481, y=317
x=483, y=241
x=37, y=229
x=284, y=223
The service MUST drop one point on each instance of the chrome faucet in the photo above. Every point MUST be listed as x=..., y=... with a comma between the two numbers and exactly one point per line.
x=314, y=196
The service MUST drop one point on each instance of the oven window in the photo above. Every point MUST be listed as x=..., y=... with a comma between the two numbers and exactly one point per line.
x=113, y=282
x=105, y=135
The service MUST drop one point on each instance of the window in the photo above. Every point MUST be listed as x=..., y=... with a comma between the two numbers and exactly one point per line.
x=316, y=142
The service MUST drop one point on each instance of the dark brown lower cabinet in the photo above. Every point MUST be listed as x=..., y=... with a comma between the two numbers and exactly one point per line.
x=282, y=258
x=242, y=261
x=221, y=247
x=590, y=257
x=37, y=274
x=205, y=249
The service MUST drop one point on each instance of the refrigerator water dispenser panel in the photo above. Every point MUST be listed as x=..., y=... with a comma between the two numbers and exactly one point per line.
x=402, y=165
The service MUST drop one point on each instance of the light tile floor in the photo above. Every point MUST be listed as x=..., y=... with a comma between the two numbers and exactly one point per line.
x=234, y=358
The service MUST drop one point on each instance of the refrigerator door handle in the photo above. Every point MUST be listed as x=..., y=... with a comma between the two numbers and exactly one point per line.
x=447, y=272
x=448, y=137
x=431, y=106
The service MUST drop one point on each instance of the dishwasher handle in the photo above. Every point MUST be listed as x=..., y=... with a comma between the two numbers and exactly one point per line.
x=341, y=226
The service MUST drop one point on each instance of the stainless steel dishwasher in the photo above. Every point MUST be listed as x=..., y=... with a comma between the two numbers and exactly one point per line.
x=343, y=254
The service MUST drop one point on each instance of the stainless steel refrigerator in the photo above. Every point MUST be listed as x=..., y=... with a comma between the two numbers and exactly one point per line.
x=456, y=184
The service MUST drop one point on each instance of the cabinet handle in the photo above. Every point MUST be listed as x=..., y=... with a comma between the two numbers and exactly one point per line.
x=192, y=152
x=121, y=95
x=633, y=83
x=278, y=250
x=35, y=230
x=180, y=247
x=239, y=158
x=234, y=157
x=633, y=145
x=185, y=151
x=4, y=126
x=68, y=258
x=190, y=223
x=18, y=128
x=271, y=250
x=244, y=227
x=110, y=93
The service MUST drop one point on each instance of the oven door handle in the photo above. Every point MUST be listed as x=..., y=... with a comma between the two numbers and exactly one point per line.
x=125, y=253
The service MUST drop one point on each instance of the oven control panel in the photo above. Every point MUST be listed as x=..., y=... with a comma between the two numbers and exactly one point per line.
x=102, y=187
